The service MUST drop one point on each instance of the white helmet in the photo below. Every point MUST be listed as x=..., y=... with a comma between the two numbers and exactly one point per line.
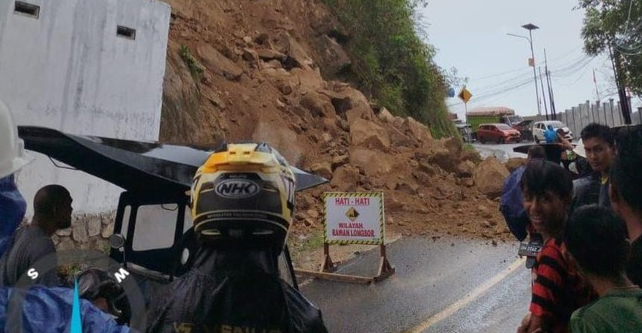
x=12, y=149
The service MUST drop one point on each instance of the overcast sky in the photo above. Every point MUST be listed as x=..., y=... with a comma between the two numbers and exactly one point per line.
x=471, y=35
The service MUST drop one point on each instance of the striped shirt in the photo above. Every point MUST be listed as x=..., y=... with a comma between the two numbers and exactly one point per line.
x=557, y=289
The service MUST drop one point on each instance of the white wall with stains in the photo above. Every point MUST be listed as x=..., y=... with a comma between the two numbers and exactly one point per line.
x=69, y=69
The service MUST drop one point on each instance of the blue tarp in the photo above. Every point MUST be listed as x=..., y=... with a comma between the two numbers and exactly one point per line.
x=12, y=210
x=48, y=310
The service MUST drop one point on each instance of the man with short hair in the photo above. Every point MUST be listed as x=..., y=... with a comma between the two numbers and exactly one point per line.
x=626, y=194
x=598, y=141
x=556, y=290
x=52, y=211
x=511, y=205
x=596, y=240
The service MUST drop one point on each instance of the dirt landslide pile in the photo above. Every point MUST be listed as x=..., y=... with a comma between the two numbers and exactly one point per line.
x=263, y=70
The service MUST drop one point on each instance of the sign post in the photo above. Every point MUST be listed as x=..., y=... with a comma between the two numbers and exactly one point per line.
x=353, y=218
x=465, y=96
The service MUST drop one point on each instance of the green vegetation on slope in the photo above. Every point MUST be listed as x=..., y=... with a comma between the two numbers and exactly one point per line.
x=392, y=63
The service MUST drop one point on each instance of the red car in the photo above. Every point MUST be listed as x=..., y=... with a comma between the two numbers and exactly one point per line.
x=500, y=133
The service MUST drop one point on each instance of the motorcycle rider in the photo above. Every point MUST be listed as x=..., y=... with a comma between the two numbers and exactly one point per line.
x=242, y=203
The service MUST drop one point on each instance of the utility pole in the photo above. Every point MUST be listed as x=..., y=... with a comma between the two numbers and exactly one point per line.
x=530, y=27
x=541, y=82
x=621, y=89
x=549, y=82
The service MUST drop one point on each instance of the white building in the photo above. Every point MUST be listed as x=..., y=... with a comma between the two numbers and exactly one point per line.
x=91, y=67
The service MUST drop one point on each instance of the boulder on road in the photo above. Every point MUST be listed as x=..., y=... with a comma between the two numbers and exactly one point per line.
x=489, y=177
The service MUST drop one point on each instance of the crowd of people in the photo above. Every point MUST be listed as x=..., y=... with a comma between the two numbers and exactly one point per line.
x=586, y=212
x=587, y=274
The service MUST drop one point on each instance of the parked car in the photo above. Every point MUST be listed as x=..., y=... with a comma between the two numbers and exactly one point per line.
x=540, y=127
x=500, y=133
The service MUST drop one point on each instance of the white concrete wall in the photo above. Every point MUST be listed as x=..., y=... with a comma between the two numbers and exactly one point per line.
x=70, y=71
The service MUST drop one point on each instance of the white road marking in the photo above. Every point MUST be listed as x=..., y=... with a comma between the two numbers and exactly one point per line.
x=473, y=295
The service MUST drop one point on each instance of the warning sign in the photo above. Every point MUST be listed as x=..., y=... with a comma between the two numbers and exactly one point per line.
x=354, y=218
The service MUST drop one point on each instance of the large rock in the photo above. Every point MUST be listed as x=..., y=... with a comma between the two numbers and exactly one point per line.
x=398, y=138
x=372, y=162
x=385, y=115
x=489, y=177
x=297, y=56
x=283, y=139
x=340, y=160
x=345, y=178
x=369, y=135
x=471, y=155
x=465, y=169
x=444, y=159
x=320, y=105
x=218, y=63
x=454, y=145
x=250, y=55
x=268, y=54
x=323, y=169
x=407, y=187
x=307, y=80
x=358, y=112
x=346, y=98
x=417, y=130
x=335, y=58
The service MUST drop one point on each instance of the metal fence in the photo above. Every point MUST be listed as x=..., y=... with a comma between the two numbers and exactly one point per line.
x=602, y=113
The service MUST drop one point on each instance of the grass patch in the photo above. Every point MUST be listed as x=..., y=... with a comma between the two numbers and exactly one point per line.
x=311, y=243
x=195, y=67
x=391, y=63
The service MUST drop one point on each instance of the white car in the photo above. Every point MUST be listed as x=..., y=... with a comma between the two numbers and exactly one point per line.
x=540, y=127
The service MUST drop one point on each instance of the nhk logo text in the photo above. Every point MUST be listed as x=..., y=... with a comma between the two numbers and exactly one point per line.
x=237, y=188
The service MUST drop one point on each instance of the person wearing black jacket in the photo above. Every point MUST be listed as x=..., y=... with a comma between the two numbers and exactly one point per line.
x=625, y=194
x=242, y=204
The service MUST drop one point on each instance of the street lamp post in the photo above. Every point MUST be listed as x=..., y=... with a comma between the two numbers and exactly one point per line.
x=530, y=27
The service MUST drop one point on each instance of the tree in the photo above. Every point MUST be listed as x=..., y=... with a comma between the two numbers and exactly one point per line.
x=614, y=27
x=452, y=78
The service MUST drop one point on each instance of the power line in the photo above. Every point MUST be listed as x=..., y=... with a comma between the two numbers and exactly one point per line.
x=524, y=69
x=524, y=79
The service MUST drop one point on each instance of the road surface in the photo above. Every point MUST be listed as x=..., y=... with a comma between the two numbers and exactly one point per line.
x=443, y=285
x=502, y=151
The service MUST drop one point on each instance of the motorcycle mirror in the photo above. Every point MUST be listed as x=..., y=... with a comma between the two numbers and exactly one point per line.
x=116, y=241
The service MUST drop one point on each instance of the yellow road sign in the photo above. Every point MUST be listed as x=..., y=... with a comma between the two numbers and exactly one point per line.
x=352, y=214
x=465, y=95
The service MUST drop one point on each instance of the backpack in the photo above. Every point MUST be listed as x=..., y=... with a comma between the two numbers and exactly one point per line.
x=511, y=205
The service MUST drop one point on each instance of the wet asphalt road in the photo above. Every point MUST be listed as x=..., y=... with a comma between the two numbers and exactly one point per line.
x=503, y=152
x=443, y=285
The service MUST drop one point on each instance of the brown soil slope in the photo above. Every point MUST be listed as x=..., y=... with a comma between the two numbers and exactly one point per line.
x=263, y=70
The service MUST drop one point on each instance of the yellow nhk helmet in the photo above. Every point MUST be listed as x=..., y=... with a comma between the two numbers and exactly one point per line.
x=243, y=195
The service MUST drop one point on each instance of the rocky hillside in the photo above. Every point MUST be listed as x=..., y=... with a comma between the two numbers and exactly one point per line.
x=263, y=69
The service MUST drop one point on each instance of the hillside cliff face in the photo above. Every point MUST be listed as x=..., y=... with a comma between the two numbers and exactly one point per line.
x=263, y=70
